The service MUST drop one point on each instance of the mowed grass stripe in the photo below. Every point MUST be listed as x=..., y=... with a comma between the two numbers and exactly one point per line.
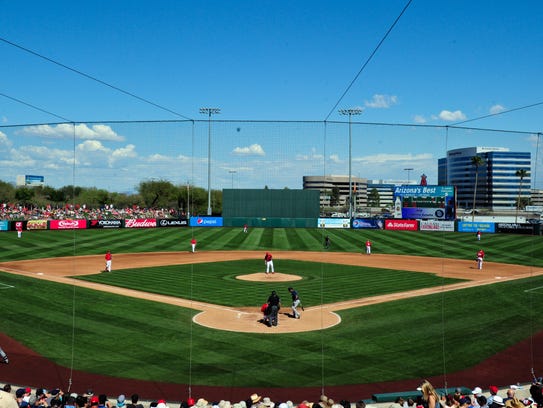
x=217, y=283
x=381, y=335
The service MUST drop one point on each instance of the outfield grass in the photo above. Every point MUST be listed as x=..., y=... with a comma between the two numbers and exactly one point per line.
x=410, y=338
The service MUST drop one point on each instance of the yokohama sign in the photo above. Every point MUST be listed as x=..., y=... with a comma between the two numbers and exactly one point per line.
x=67, y=224
x=401, y=225
x=140, y=223
x=105, y=223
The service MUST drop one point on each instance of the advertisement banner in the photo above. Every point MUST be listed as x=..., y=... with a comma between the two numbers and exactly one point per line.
x=67, y=224
x=365, y=223
x=464, y=226
x=333, y=223
x=515, y=228
x=436, y=225
x=206, y=221
x=105, y=224
x=401, y=225
x=169, y=222
x=4, y=225
x=424, y=202
x=140, y=223
x=36, y=225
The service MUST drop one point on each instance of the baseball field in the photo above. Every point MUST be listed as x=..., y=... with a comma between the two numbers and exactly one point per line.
x=416, y=308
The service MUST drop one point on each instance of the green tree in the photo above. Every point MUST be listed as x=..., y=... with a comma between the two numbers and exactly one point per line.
x=374, y=199
x=24, y=195
x=521, y=173
x=160, y=193
x=476, y=161
x=334, y=197
x=7, y=192
x=93, y=197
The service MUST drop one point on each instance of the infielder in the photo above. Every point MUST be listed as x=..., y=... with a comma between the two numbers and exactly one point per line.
x=480, y=257
x=268, y=261
x=193, y=244
x=368, y=247
x=108, y=261
x=295, y=303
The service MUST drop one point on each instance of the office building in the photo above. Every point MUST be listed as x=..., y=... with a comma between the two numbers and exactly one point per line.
x=498, y=185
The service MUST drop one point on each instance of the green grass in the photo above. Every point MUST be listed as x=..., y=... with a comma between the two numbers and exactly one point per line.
x=409, y=338
x=216, y=282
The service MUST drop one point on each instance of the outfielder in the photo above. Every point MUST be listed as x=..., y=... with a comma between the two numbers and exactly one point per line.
x=268, y=261
x=19, y=228
x=295, y=303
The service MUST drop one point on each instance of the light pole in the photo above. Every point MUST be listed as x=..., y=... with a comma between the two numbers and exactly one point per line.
x=408, y=170
x=350, y=112
x=232, y=172
x=209, y=112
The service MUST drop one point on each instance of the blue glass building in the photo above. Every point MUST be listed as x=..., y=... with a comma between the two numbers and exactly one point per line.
x=498, y=186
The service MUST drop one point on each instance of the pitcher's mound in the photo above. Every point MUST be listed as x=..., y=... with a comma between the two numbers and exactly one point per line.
x=270, y=277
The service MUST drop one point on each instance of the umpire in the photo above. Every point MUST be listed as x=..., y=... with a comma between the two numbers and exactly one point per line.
x=274, y=304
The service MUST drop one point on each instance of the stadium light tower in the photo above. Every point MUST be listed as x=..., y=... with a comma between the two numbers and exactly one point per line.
x=409, y=169
x=350, y=112
x=232, y=172
x=209, y=112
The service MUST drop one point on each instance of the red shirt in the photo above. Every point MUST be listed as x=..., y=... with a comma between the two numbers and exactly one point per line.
x=268, y=257
x=193, y=241
x=368, y=243
x=108, y=256
x=481, y=254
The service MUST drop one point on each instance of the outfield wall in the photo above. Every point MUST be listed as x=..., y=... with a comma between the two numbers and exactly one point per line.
x=279, y=222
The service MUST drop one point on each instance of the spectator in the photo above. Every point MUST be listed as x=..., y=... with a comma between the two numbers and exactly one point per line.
x=7, y=400
x=121, y=401
x=493, y=391
x=429, y=395
x=135, y=402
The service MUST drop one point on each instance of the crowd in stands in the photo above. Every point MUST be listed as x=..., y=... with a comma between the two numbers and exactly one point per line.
x=14, y=212
x=428, y=398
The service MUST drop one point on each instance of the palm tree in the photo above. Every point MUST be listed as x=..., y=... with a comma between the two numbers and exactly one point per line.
x=476, y=161
x=519, y=173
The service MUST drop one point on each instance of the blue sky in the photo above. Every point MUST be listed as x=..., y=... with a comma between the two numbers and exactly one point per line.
x=443, y=63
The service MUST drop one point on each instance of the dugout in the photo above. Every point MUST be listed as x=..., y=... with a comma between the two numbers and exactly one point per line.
x=270, y=208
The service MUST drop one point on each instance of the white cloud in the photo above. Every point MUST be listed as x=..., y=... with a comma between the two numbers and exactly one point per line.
x=381, y=101
x=81, y=131
x=534, y=140
x=253, y=150
x=5, y=143
x=452, y=116
x=313, y=155
x=390, y=158
x=334, y=158
x=419, y=119
x=127, y=152
x=496, y=109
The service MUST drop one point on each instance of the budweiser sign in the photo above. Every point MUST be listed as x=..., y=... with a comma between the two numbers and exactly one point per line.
x=140, y=223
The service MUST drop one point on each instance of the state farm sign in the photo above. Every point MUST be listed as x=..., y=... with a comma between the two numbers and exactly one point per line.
x=140, y=223
x=401, y=225
x=67, y=224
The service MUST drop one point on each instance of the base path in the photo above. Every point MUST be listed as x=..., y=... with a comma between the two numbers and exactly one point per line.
x=246, y=319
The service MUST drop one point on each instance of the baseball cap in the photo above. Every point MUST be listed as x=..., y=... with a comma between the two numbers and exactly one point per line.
x=477, y=391
x=493, y=389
